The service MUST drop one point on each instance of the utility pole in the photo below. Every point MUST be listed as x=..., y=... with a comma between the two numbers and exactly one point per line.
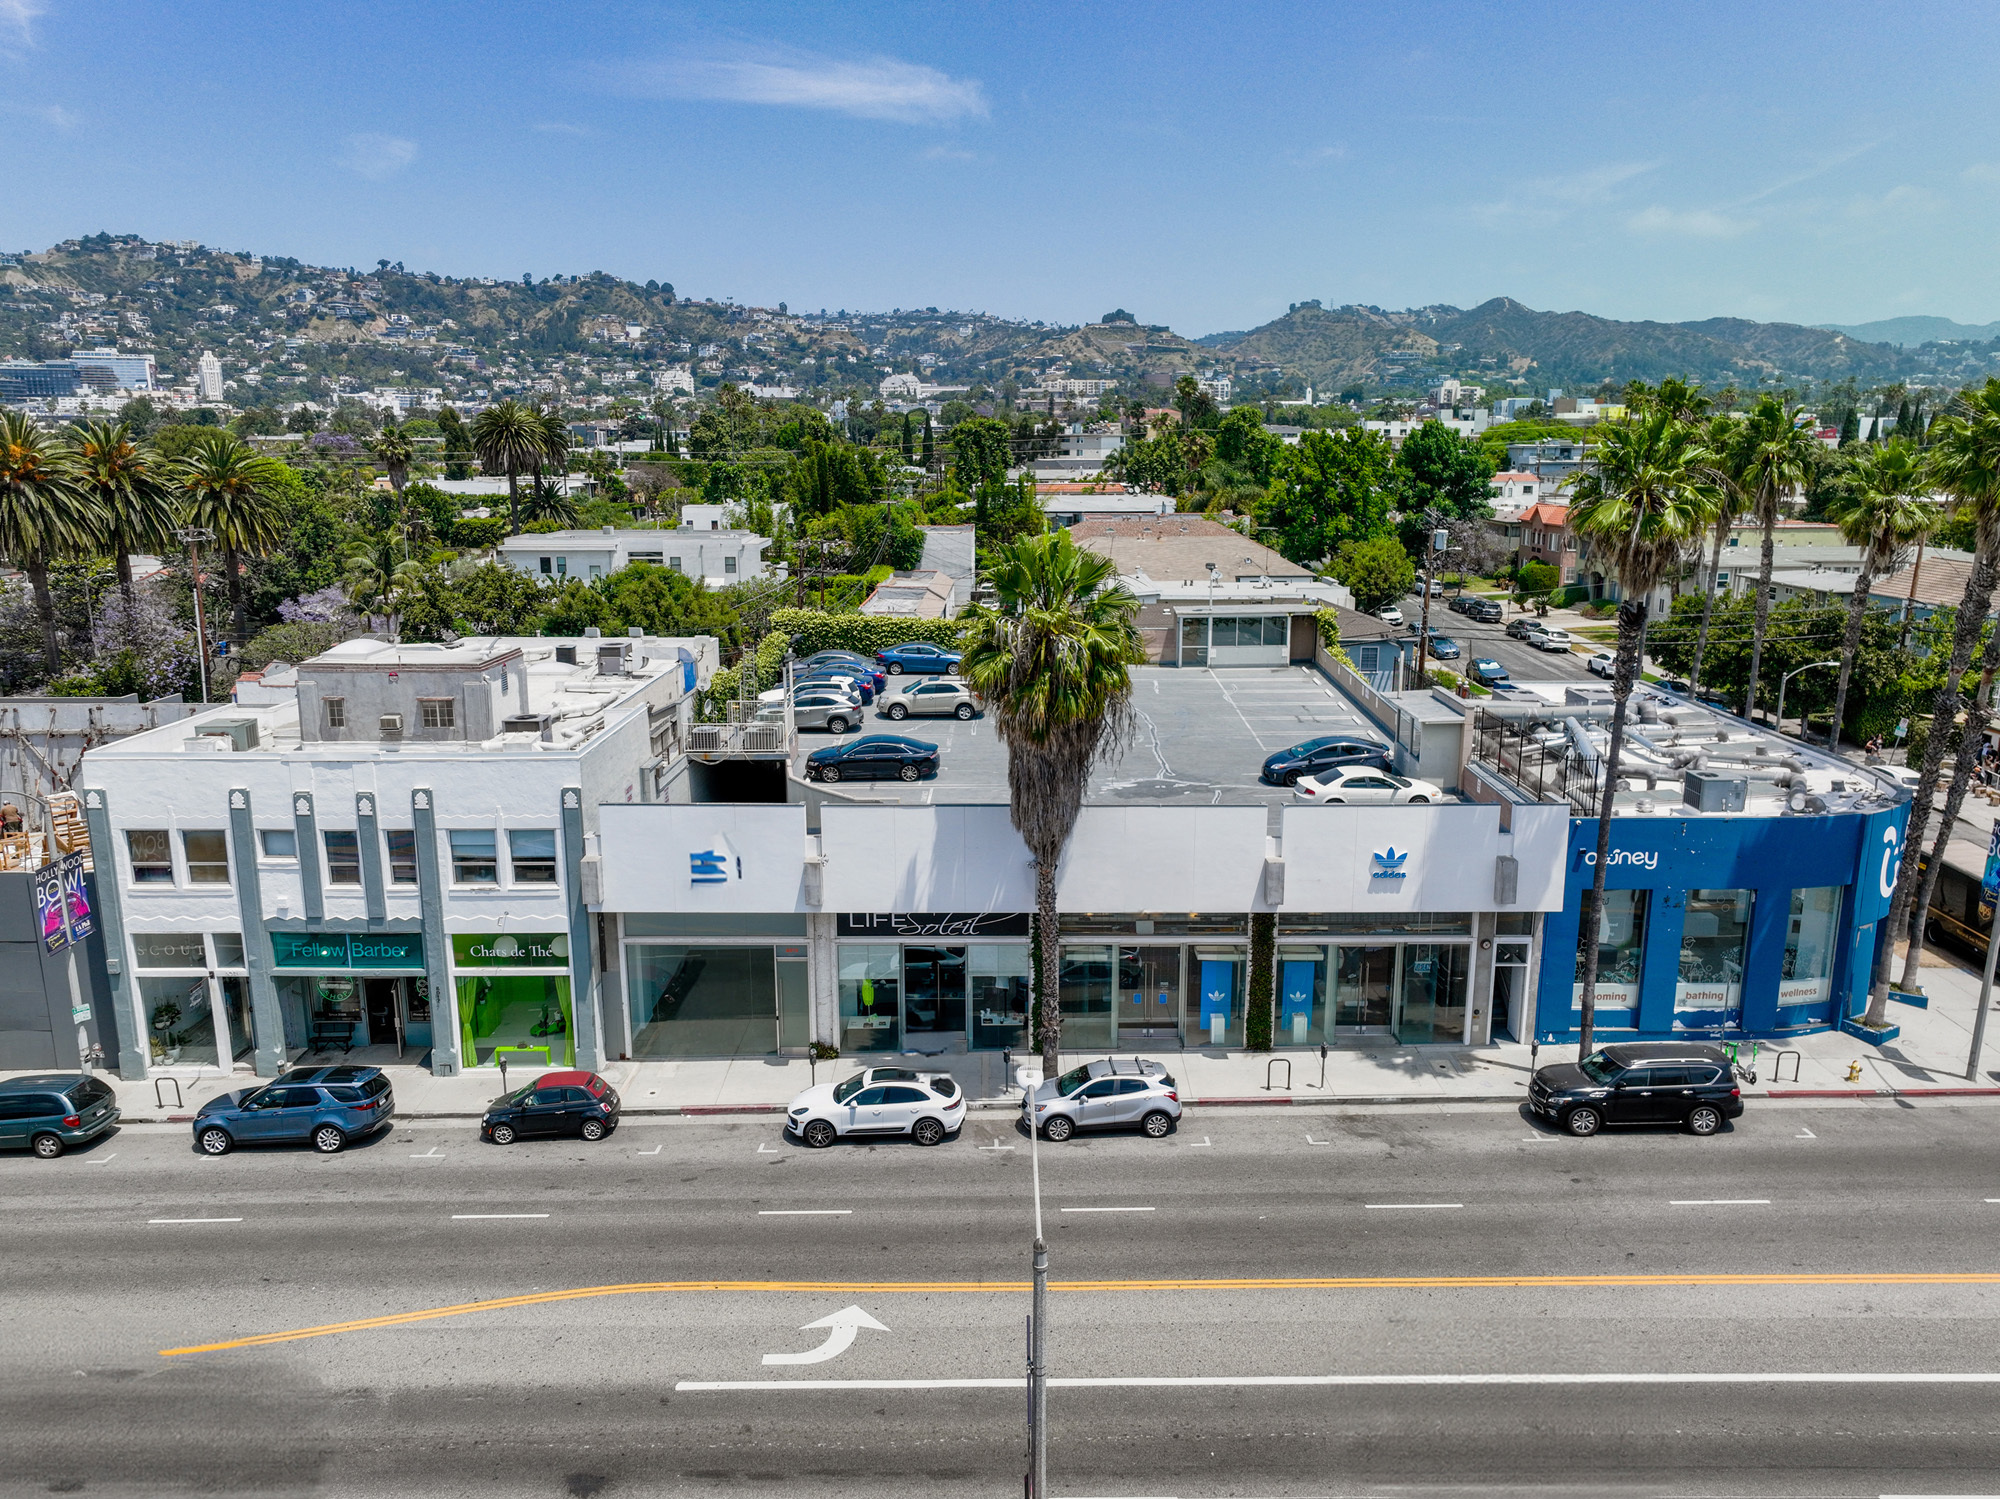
x=1438, y=539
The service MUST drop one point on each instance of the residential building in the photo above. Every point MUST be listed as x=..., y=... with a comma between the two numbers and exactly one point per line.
x=951, y=550
x=1069, y=503
x=718, y=558
x=1549, y=459
x=1289, y=436
x=208, y=376
x=912, y=595
x=1538, y=531
x=1515, y=487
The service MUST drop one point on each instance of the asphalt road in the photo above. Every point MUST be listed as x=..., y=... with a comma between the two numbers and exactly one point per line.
x=1422, y=1302
x=1523, y=662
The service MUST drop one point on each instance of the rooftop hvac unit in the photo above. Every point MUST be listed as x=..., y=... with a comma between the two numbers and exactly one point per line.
x=240, y=732
x=612, y=659
x=566, y=654
x=392, y=723
x=1713, y=790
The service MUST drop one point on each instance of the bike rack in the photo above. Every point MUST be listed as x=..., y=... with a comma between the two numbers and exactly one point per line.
x=158, y=1100
x=1778, y=1063
x=1287, y=1061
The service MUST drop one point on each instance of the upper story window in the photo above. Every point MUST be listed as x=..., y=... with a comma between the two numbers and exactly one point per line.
x=729, y=564
x=534, y=851
x=475, y=858
x=402, y=856
x=207, y=857
x=548, y=564
x=278, y=843
x=438, y=712
x=336, y=712
x=152, y=856
x=343, y=857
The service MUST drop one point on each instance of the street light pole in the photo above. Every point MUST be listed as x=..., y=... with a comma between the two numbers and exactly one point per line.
x=1783, y=681
x=1038, y=1379
x=193, y=536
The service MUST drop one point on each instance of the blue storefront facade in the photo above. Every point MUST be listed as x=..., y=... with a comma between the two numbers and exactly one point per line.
x=1722, y=925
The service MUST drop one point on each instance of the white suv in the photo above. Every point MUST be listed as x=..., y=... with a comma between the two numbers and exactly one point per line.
x=884, y=1101
x=1105, y=1095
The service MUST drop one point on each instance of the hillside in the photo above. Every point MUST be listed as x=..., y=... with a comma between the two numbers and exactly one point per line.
x=1908, y=332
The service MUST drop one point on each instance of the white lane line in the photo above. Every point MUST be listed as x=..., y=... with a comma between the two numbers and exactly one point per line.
x=433, y=1154
x=654, y=1151
x=1311, y=1141
x=1107, y=1210
x=102, y=1160
x=1206, y=1144
x=996, y=1145
x=461, y=1217
x=804, y=1212
x=767, y=1149
x=194, y=1220
x=1417, y=1206
x=1805, y=1134
x=1720, y=1202
x=1993, y=1199
x=1351, y=1381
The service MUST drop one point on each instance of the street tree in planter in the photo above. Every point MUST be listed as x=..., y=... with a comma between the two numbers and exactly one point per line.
x=1052, y=659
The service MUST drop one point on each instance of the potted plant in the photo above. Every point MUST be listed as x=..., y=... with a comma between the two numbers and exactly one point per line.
x=165, y=1014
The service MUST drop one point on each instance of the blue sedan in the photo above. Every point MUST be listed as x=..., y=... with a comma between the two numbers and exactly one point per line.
x=1444, y=647
x=918, y=656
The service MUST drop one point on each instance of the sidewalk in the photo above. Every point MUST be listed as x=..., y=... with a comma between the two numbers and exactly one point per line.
x=1928, y=1058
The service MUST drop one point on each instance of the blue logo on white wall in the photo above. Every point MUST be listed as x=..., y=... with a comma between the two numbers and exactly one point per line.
x=1389, y=865
x=714, y=866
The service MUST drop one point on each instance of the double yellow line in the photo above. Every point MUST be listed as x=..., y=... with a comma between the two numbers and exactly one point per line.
x=1004, y=1287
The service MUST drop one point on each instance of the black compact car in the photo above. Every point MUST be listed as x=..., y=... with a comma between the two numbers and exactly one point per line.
x=1641, y=1082
x=556, y=1103
x=848, y=661
x=873, y=757
x=1317, y=756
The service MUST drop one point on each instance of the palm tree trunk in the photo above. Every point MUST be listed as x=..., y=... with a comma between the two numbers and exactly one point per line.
x=1857, y=611
x=1048, y=1013
x=126, y=592
x=1768, y=513
x=239, y=616
x=1971, y=618
x=45, y=609
x=1631, y=624
x=513, y=502
x=1707, y=606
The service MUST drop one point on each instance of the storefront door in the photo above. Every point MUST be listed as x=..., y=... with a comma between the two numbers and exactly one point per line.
x=1364, y=989
x=385, y=1019
x=934, y=998
x=1149, y=995
x=1431, y=1004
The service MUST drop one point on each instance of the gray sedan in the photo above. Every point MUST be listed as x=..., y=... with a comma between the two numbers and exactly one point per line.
x=929, y=696
x=836, y=712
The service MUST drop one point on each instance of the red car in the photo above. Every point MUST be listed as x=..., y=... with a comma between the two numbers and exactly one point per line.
x=556, y=1103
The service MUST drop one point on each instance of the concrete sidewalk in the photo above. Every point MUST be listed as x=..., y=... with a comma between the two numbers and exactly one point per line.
x=1927, y=1058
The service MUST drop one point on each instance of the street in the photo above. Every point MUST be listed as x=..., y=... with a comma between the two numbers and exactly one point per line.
x=1420, y=1300
x=1523, y=662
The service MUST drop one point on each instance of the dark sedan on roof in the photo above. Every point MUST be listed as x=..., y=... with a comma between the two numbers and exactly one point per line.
x=873, y=757
x=918, y=655
x=847, y=661
x=864, y=687
x=1328, y=752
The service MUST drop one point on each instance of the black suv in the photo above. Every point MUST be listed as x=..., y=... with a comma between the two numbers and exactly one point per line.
x=1641, y=1082
x=1485, y=611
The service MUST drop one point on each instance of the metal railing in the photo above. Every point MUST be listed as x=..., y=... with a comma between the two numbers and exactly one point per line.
x=1538, y=758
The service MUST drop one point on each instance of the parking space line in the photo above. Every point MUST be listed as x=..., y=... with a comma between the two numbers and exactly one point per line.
x=102, y=1160
x=460, y=1217
x=194, y=1220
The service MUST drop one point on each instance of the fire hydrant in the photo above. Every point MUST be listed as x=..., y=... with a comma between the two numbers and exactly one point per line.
x=1854, y=1070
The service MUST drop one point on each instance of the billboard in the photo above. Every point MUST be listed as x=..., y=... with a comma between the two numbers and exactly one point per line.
x=62, y=903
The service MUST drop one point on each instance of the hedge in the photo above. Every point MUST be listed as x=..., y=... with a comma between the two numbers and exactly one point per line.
x=814, y=630
x=478, y=532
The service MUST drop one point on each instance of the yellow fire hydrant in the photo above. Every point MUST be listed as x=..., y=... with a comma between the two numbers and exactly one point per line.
x=1854, y=1070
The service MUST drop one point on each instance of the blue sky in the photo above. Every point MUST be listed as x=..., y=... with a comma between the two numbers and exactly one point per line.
x=1202, y=166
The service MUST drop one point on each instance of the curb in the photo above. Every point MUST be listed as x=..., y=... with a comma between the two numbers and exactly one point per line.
x=1881, y=1093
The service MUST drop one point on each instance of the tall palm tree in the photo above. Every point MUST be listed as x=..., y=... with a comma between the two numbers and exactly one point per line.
x=1771, y=458
x=135, y=502
x=554, y=452
x=1649, y=496
x=1963, y=456
x=1729, y=503
x=1051, y=657
x=1884, y=512
x=508, y=438
x=378, y=580
x=395, y=452
x=45, y=514
x=236, y=495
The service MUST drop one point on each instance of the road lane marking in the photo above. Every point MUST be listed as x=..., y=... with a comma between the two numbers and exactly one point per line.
x=1805, y=1133
x=102, y=1160
x=654, y=1151
x=433, y=1154
x=841, y=1329
x=1720, y=1202
x=1387, y=1206
x=1347, y=1381
x=1107, y=1210
x=1016, y=1287
x=767, y=1149
x=1311, y=1141
x=1205, y=1144
x=804, y=1212
x=460, y=1217
x=194, y=1220
x=996, y=1145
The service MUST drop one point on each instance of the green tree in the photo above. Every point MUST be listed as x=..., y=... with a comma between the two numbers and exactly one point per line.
x=1884, y=512
x=1052, y=659
x=395, y=452
x=1334, y=488
x=1441, y=475
x=1376, y=572
x=1647, y=498
x=45, y=514
x=237, y=496
x=508, y=439
x=1768, y=459
x=259, y=421
x=1727, y=503
x=1196, y=406
x=134, y=500
x=547, y=505
x=980, y=449
x=494, y=599
x=1242, y=444
x=1536, y=580
x=380, y=577
x=458, y=449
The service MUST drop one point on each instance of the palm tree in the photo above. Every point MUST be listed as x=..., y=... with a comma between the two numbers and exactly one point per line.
x=377, y=580
x=546, y=502
x=45, y=514
x=1729, y=503
x=554, y=452
x=1771, y=457
x=134, y=499
x=1649, y=496
x=1883, y=513
x=395, y=452
x=1052, y=658
x=1963, y=458
x=508, y=438
x=236, y=495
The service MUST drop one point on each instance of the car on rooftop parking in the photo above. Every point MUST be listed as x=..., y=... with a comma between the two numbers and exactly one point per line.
x=926, y=1107
x=873, y=757
x=918, y=656
x=1366, y=786
x=329, y=1106
x=1314, y=756
x=934, y=697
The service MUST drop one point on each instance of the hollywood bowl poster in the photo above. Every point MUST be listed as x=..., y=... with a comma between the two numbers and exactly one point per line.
x=62, y=903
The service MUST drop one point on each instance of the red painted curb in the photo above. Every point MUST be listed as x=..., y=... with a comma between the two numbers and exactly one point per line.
x=1879, y=1093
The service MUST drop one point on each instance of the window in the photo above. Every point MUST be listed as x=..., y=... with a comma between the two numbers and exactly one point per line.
x=674, y=563
x=475, y=858
x=1621, y=947
x=438, y=712
x=336, y=712
x=1810, y=936
x=152, y=856
x=548, y=565
x=207, y=857
x=402, y=856
x=729, y=564
x=1714, y=933
x=228, y=949
x=279, y=843
x=534, y=851
x=901, y=1095
x=562, y=567
x=343, y=858
x=868, y=1097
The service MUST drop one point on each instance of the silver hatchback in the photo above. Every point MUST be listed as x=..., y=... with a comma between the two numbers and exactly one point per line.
x=929, y=697
x=1113, y=1093
x=836, y=712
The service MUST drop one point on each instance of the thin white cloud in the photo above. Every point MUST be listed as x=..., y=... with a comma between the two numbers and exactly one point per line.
x=874, y=88
x=48, y=114
x=563, y=127
x=1981, y=171
x=18, y=17
x=947, y=153
x=1687, y=223
x=377, y=156
x=1550, y=197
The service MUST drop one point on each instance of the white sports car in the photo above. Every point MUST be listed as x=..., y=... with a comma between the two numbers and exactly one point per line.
x=884, y=1101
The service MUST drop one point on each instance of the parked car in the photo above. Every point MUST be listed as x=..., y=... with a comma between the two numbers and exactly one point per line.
x=48, y=1113
x=1603, y=663
x=1460, y=602
x=330, y=1106
x=1526, y=627
x=873, y=757
x=1316, y=756
x=1489, y=673
x=1485, y=611
x=824, y=708
x=862, y=666
x=556, y=1103
x=1443, y=646
x=1365, y=785
x=1642, y=1082
x=939, y=697
x=1551, y=639
x=1389, y=614
x=879, y=1101
x=918, y=656
x=1437, y=588
x=1111, y=1094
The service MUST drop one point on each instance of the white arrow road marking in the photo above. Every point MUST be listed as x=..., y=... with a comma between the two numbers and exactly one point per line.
x=654, y=1151
x=842, y=1329
x=767, y=1150
x=1805, y=1134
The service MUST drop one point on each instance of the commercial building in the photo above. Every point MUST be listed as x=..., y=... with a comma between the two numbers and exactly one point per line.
x=208, y=376
x=717, y=557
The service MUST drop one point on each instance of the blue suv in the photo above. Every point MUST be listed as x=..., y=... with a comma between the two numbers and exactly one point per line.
x=918, y=655
x=327, y=1105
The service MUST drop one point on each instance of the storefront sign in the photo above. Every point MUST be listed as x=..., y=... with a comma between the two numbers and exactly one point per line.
x=511, y=950
x=1388, y=865
x=325, y=950
x=932, y=924
x=169, y=950
x=1803, y=991
x=62, y=904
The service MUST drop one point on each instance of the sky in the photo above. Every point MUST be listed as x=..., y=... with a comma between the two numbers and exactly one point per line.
x=1200, y=166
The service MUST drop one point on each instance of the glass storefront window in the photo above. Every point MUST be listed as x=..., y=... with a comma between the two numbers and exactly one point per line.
x=524, y=1017
x=1364, y=987
x=1149, y=996
x=1387, y=923
x=169, y=950
x=1085, y=995
x=1713, y=934
x=702, y=1001
x=1434, y=990
x=794, y=1000
x=1810, y=936
x=1301, y=1012
x=934, y=997
x=999, y=975
x=180, y=1023
x=1621, y=949
x=1194, y=642
x=870, y=979
x=1215, y=996
x=236, y=1012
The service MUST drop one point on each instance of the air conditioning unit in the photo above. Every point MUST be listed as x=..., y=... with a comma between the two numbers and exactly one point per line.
x=240, y=732
x=392, y=723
